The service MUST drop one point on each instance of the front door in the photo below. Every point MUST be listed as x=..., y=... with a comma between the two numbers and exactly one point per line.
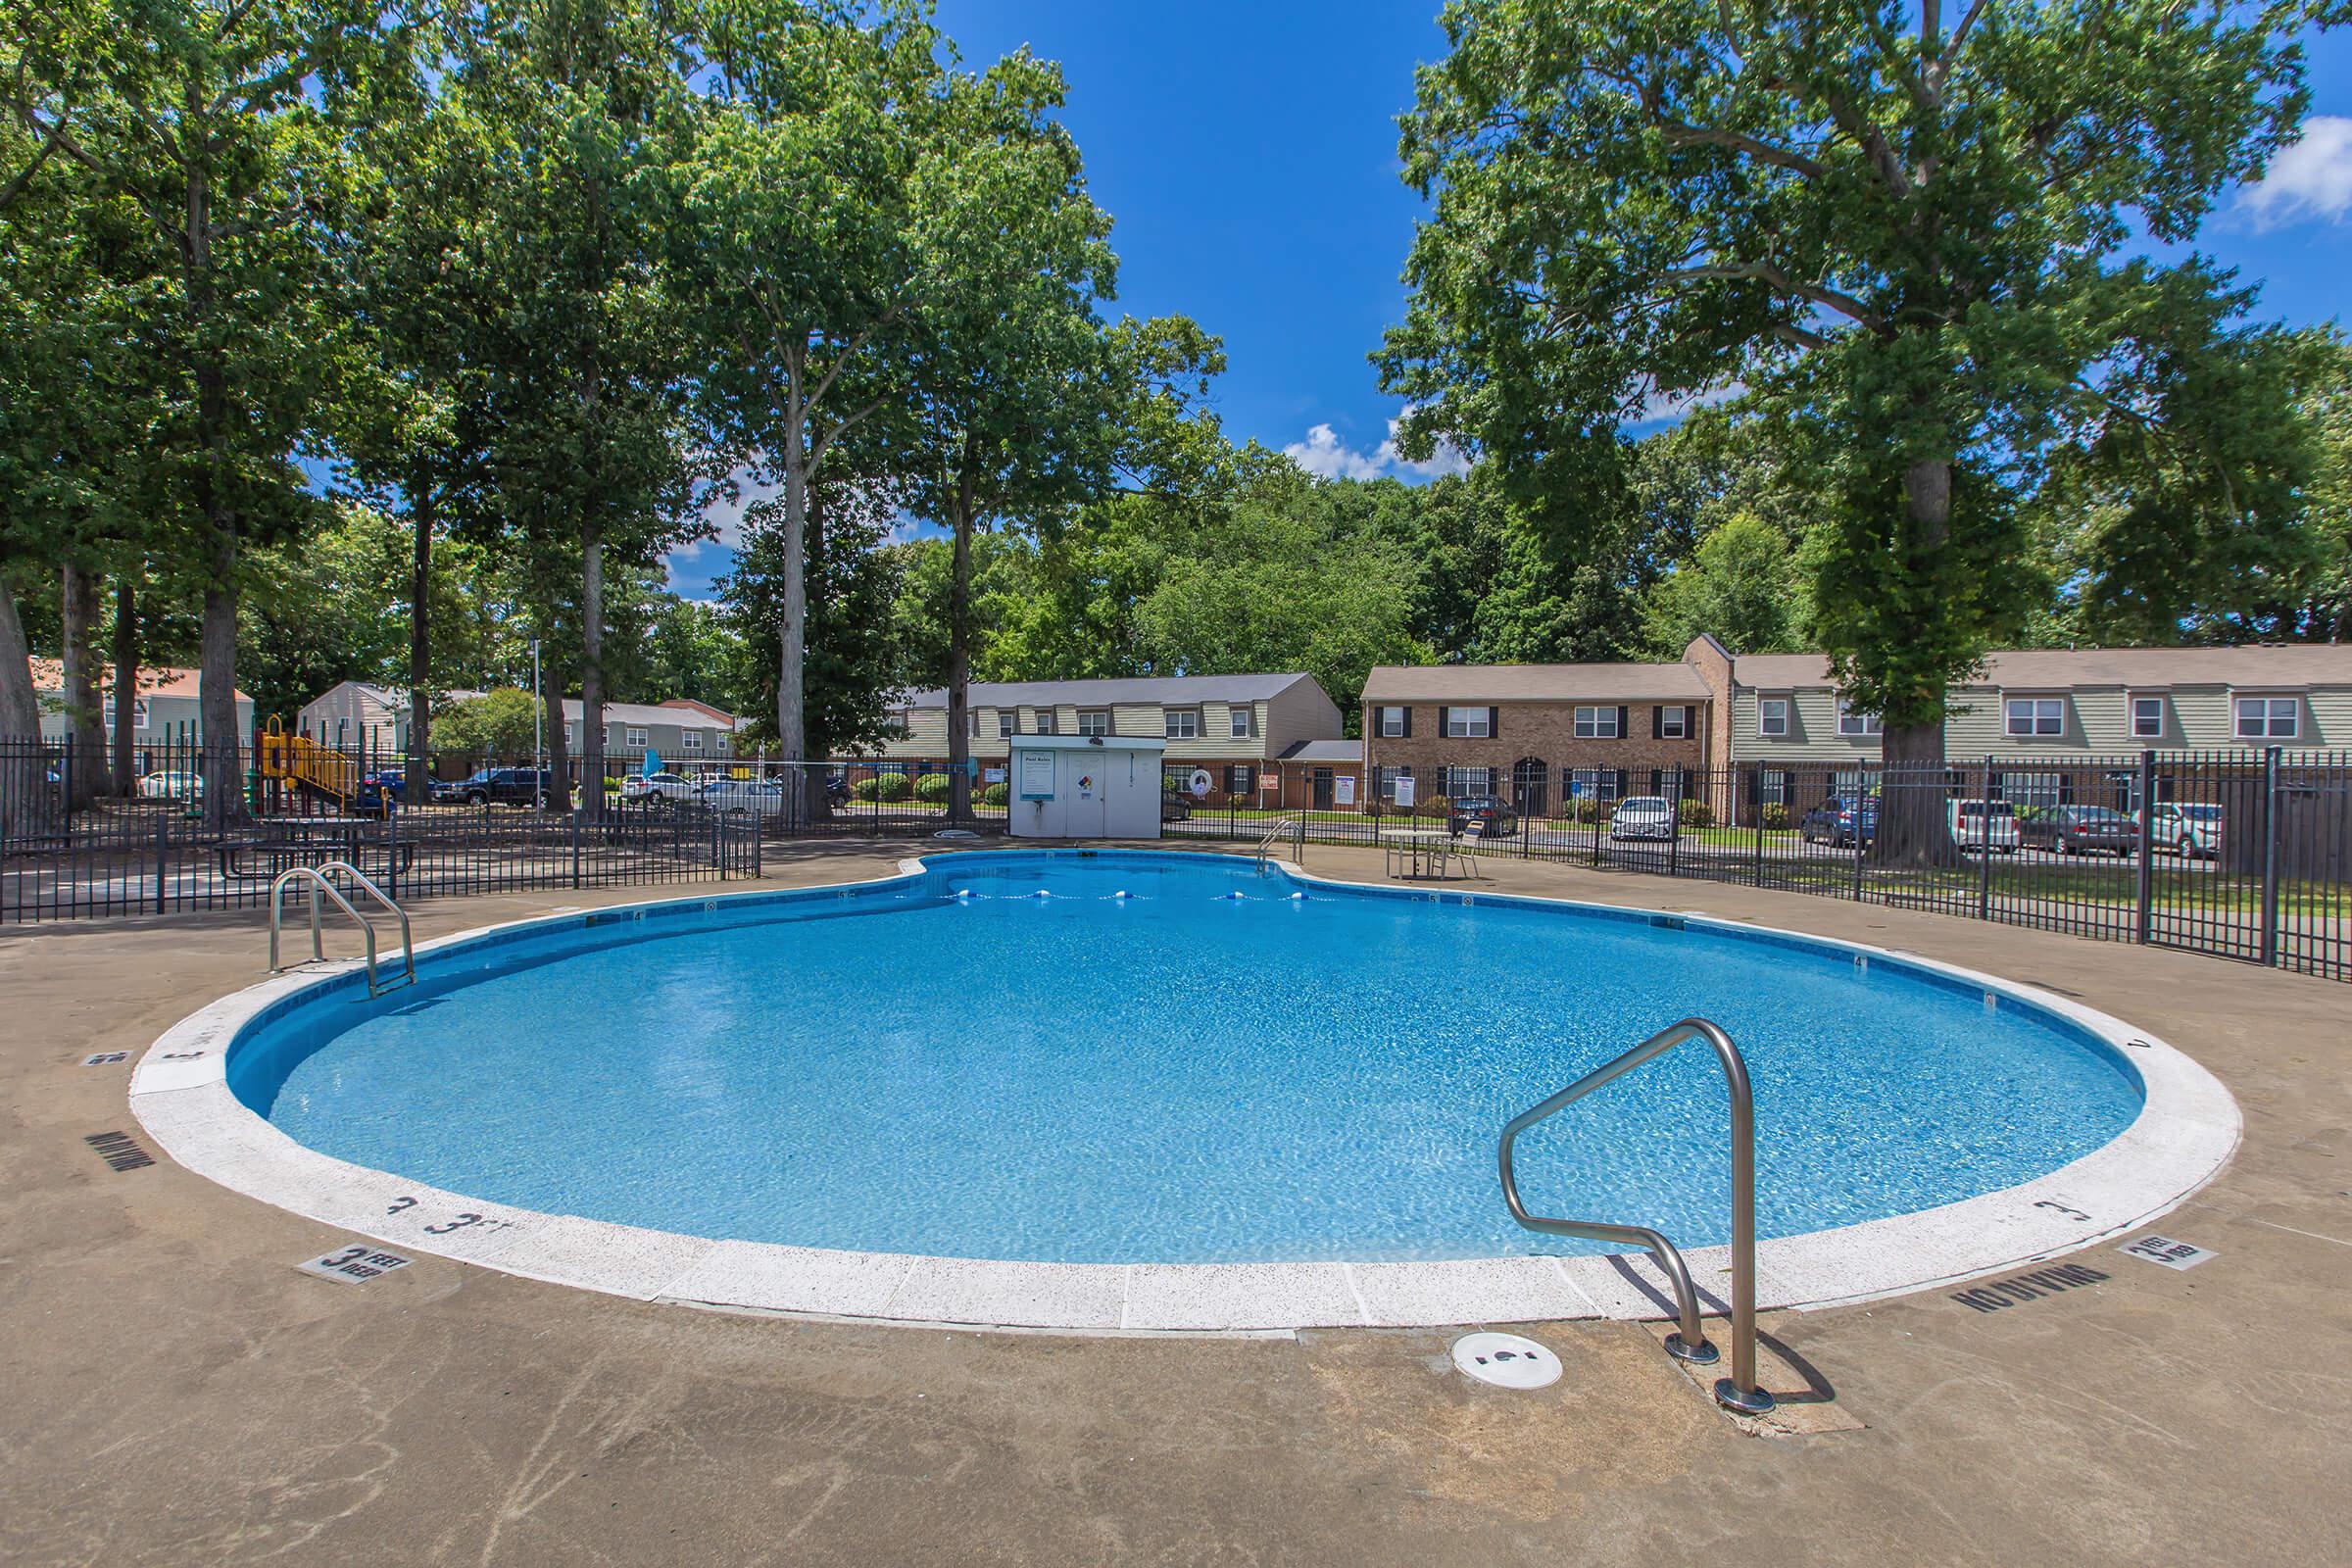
x=1528, y=779
x=1319, y=788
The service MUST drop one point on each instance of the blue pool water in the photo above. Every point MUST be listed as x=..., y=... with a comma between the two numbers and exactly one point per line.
x=1127, y=1057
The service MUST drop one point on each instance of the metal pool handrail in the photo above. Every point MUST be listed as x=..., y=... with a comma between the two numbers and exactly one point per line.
x=315, y=877
x=1739, y=1392
x=1282, y=825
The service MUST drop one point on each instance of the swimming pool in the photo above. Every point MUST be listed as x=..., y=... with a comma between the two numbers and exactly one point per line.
x=1122, y=1059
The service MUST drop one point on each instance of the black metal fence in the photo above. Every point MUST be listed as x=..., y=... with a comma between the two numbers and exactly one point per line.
x=65, y=855
x=2245, y=854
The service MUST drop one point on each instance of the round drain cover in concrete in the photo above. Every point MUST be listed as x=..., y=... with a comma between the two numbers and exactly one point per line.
x=1507, y=1359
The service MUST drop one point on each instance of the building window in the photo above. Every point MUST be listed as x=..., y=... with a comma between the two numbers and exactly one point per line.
x=1240, y=720
x=1004, y=722
x=2148, y=719
x=1045, y=721
x=1385, y=780
x=1774, y=786
x=1597, y=724
x=1772, y=716
x=690, y=740
x=2035, y=715
x=1461, y=781
x=1856, y=725
x=1393, y=722
x=724, y=744
x=1184, y=723
x=138, y=712
x=571, y=735
x=1466, y=724
x=607, y=734
x=637, y=739
x=1096, y=723
x=2268, y=718
x=1592, y=783
x=1674, y=723
x=2035, y=789
x=1237, y=779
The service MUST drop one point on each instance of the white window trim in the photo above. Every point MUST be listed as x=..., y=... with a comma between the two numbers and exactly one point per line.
x=1179, y=723
x=1095, y=722
x=2034, y=730
x=1482, y=731
x=1599, y=724
x=1046, y=722
x=1678, y=728
x=2132, y=715
x=1857, y=725
x=1764, y=725
x=690, y=740
x=1007, y=721
x=2269, y=702
x=1237, y=720
x=1384, y=718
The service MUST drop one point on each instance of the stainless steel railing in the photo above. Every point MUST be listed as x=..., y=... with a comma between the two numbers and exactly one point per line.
x=1295, y=825
x=1739, y=1391
x=316, y=881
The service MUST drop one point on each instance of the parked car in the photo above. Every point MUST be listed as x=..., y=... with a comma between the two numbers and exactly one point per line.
x=645, y=789
x=763, y=796
x=167, y=785
x=2081, y=830
x=1496, y=817
x=1843, y=822
x=1643, y=817
x=384, y=785
x=2186, y=828
x=1985, y=825
x=505, y=786
x=1174, y=807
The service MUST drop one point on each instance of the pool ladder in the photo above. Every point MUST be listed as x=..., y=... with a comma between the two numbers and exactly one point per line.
x=1689, y=1342
x=316, y=877
x=1295, y=826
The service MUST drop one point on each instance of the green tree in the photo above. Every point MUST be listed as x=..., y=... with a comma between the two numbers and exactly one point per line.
x=1901, y=234
x=502, y=723
x=1742, y=586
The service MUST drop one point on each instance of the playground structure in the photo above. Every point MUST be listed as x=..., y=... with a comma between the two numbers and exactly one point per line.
x=318, y=774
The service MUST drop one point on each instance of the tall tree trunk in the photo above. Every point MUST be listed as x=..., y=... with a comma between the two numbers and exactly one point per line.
x=77, y=595
x=792, y=630
x=221, y=744
x=592, y=669
x=959, y=650
x=1913, y=827
x=813, y=804
x=420, y=646
x=558, y=755
x=126, y=684
x=24, y=795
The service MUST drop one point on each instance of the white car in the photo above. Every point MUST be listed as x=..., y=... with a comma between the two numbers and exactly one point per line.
x=644, y=788
x=765, y=796
x=1984, y=824
x=1642, y=816
x=2186, y=828
x=171, y=786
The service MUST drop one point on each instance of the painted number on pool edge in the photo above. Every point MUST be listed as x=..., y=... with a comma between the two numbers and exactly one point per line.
x=355, y=1265
x=2164, y=1249
x=462, y=1220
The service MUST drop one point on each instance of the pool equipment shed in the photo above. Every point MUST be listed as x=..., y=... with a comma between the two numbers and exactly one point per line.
x=1084, y=786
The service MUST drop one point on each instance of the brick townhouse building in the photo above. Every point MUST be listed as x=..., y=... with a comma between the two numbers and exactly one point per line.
x=1539, y=734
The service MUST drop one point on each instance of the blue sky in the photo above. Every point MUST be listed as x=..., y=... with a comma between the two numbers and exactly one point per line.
x=1248, y=154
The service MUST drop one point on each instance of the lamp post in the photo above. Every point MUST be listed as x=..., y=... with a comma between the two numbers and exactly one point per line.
x=538, y=734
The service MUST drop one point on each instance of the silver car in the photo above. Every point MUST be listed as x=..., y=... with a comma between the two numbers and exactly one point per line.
x=1642, y=816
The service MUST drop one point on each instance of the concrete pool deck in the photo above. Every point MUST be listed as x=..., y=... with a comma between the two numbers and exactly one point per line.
x=177, y=1390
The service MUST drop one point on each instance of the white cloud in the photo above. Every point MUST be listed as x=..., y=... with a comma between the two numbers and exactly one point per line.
x=2312, y=179
x=1324, y=455
x=1661, y=407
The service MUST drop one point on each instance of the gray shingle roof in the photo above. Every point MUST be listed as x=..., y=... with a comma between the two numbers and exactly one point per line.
x=2255, y=665
x=1534, y=683
x=1322, y=752
x=1179, y=690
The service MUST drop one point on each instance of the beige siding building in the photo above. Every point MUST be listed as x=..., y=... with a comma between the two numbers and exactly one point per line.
x=1231, y=726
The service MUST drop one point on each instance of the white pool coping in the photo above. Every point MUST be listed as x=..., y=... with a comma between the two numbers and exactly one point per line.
x=2184, y=1133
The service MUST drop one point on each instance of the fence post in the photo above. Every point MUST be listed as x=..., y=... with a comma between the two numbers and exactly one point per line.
x=1756, y=806
x=1299, y=828
x=391, y=841
x=162, y=849
x=2269, y=855
x=719, y=847
x=1861, y=790
x=575, y=847
x=1985, y=839
x=2145, y=911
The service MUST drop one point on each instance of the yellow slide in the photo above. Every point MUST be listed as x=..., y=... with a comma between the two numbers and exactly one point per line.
x=313, y=768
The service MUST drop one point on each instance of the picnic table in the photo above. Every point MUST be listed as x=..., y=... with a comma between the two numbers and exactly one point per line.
x=1414, y=851
x=278, y=844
